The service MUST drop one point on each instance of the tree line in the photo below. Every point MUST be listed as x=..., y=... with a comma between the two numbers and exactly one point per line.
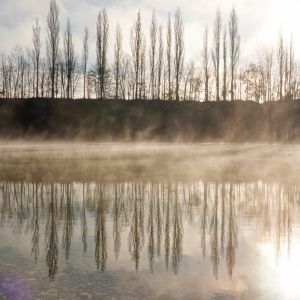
x=155, y=71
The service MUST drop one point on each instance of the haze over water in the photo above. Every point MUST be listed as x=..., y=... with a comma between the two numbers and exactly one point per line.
x=150, y=221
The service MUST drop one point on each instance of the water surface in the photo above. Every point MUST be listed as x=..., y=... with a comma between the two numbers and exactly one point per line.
x=150, y=221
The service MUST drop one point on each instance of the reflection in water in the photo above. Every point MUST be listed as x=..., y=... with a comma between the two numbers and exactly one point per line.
x=100, y=227
x=136, y=236
x=153, y=214
x=35, y=225
x=51, y=232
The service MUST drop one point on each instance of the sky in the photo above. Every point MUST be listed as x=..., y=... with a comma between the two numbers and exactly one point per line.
x=259, y=21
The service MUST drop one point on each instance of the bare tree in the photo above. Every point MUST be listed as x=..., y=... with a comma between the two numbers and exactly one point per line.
x=286, y=72
x=169, y=56
x=101, y=49
x=5, y=63
x=216, y=50
x=53, y=40
x=142, y=79
x=205, y=63
x=17, y=57
x=268, y=56
x=62, y=69
x=179, y=50
x=152, y=53
x=36, y=37
x=262, y=74
x=291, y=68
x=76, y=76
x=188, y=80
x=48, y=78
x=125, y=72
x=224, y=90
x=57, y=67
x=85, y=55
x=280, y=60
x=30, y=74
x=136, y=44
x=117, y=62
x=69, y=54
x=234, y=45
x=160, y=61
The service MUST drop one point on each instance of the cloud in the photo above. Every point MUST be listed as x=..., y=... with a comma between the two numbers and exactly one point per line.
x=259, y=20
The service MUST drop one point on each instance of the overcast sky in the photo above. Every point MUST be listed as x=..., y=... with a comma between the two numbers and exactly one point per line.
x=259, y=20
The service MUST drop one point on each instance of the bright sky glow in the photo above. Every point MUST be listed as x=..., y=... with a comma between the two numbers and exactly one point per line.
x=259, y=21
x=285, y=268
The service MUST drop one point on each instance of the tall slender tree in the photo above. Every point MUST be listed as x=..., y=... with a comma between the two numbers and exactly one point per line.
x=291, y=68
x=160, y=61
x=142, y=79
x=224, y=90
x=152, y=53
x=36, y=38
x=234, y=46
x=169, y=56
x=69, y=54
x=101, y=49
x=85, y=55
x=136, y=45
x=178, y=50
x=216, y=50
x=117, y=63
x=53, y=40
x=205, y=63
x=280, y=60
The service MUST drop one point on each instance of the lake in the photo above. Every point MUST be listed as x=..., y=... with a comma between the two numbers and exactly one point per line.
x=149, y=221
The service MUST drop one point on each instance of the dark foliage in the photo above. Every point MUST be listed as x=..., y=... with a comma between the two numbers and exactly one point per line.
x=157, y=120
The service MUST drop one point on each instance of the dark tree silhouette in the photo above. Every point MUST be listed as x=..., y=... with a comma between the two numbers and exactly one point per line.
x=178, y=50
x=53, y=40
x=69, y=55
x=216, y=50
x=160, y=61
x=36, y=38
x=85, y=55
x=152, y=53
x=234, y=46
x=117, y=62
x=136, y=38
x=280, y=60
x=205, y=63
x=169, y=56
x=101, y=50
x=224, y=90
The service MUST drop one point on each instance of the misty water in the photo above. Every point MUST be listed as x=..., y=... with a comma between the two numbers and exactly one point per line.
x=150, y=221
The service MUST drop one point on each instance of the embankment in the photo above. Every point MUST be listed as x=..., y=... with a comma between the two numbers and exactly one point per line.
x=145, y=120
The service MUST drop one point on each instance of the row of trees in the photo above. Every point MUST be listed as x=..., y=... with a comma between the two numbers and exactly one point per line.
x=158, y=71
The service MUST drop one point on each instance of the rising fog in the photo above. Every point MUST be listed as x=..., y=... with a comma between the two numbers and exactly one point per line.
x=148, y=161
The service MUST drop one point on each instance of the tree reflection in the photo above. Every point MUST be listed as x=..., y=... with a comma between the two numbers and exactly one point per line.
x=222, y=218
x=214, y=235
x=117, y=225
x=100, y=229
x=151, y=244
x=177, y=233
x=84, y=229
x=136, y=235
x=68, y=218
x=35, y=250
x=127, y=209
x=167, y=226
x=51, y=235
x=231, y=234
x=203, y=224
